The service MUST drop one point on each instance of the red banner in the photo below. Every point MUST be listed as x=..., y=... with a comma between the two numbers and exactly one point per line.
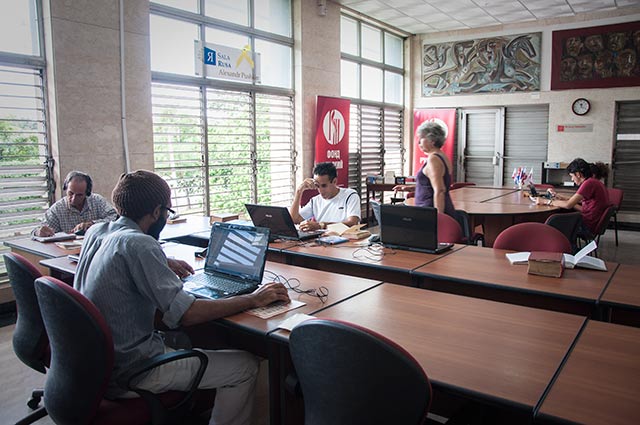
x=447, y=119
x=332, y=135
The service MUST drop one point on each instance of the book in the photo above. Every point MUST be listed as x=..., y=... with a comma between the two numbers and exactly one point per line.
x=222, y=217
x=518, y=257
x=549, y=264
x=353, y=232
x=60, y=236
x=582, y=259
x=176, y=220
x=70, y=244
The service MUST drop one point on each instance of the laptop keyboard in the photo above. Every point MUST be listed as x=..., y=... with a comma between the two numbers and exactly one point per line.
x=218, y=283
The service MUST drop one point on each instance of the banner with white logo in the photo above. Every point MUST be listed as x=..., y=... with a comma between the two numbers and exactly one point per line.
x=227, y=63
x=332, y=135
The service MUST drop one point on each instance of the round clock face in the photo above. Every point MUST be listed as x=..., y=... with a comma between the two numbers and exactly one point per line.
x=581, y=106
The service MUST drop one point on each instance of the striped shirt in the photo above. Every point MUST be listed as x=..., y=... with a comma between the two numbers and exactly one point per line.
x=124, y=272
x=62, y=217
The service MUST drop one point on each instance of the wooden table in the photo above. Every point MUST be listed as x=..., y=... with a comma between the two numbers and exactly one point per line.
x=494, y=353
x=486, y=273
x=600, y=381
x=497, y=208
x=621, y=299
x=194, y=224
x=394, y=266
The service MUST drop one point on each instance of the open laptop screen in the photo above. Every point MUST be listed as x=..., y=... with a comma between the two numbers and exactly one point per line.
x=237, y=250
x=409, y=226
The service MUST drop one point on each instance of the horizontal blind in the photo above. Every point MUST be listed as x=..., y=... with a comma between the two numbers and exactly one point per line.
x=24, y=177
x=178, y=135
x=356, y=177
x=275, y=166
x=230, y=149
x=626, y=158
x=393, y=147
x=525, y=140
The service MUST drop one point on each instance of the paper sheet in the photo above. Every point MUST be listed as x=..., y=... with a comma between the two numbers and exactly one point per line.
x=271, y=310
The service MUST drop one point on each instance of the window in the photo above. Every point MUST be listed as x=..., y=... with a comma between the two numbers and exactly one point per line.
x=221, y=143
x=375, y=56
x=25, y=182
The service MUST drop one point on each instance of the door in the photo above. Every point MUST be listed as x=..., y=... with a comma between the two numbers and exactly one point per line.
x=480, y=151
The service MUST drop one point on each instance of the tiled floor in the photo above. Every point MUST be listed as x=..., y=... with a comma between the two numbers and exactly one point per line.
x=18, y=380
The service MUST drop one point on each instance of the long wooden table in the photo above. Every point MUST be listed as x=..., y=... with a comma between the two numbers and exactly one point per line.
x=600, y=382
x=486, y=273
x=621, y=299
x=497, y=208
x=494, y=353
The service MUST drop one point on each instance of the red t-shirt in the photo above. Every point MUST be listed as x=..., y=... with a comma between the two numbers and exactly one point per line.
x=595, y=199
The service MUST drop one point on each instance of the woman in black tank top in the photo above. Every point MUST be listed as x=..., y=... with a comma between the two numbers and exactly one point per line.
x=434, y=177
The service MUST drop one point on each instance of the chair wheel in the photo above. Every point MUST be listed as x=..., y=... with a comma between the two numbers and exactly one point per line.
x=33, y=403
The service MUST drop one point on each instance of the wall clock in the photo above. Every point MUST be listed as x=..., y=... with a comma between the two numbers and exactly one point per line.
x=580, y=106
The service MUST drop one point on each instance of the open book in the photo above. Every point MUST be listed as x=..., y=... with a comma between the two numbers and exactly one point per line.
x=353, y=232
x=60, y=236
x=581, y=259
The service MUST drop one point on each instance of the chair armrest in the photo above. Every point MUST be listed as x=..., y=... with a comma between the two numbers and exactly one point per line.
x=161, y=414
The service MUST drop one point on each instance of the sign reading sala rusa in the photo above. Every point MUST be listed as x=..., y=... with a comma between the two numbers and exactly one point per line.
x=332, y=135
x=447, y=119
x=227, y=63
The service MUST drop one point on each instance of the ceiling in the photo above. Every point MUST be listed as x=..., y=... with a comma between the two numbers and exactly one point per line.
x=427, y=16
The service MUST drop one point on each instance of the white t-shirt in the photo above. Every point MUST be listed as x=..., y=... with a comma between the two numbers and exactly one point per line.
x=337, y=209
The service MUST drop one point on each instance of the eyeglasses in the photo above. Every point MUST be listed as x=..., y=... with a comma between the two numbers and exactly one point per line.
x=322, y=185
x=172, y=212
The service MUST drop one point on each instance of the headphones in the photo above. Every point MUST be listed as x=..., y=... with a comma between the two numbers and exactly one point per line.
x=74, y=174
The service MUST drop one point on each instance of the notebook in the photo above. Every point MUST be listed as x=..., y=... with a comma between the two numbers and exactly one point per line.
x=279, y=221
x=411, y=228
x=235, y=262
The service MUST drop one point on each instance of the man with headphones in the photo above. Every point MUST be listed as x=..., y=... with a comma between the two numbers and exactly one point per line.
x=77, y=210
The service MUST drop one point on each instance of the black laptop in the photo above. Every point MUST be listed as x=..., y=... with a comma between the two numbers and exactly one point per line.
x=235, y=262
x=279, y=221
x=411, y=228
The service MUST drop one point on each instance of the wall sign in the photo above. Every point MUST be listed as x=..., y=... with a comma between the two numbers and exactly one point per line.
x=575, y=128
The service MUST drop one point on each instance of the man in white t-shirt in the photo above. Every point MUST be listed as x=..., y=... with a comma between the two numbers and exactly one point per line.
x=334, y=204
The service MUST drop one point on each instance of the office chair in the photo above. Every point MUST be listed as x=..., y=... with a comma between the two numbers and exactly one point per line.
x=307, y=195
x=532, y=236
x=82, y=359
x=352, y=375
x=30, y=342
x=471, y=237
x=458, y=185
x=615, y=198
x=375, y=207
x=601, y=227
x=449, y=230
x=568, y=224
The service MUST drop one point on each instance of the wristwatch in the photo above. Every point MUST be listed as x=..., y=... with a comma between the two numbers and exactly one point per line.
x=323, y=225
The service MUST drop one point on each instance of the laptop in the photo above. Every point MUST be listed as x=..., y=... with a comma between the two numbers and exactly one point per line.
x=411, y=228
x=279, y=221
x=234, y=264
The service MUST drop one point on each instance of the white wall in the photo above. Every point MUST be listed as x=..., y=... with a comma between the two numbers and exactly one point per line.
x=593, y=146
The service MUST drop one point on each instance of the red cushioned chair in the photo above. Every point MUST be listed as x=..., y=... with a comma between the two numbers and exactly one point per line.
x=307, y=195
x=615, y=198
x=532, y=237
x=30, y=342
x=82, y=361
x=352, y=375
x=601, y=227
x=449, y=230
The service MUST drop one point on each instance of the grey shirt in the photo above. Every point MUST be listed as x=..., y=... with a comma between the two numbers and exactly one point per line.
x=124, y=272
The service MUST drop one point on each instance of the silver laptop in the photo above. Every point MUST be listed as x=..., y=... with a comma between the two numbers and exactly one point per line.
x=235, y=262
x=279, y=221
x=411, y=228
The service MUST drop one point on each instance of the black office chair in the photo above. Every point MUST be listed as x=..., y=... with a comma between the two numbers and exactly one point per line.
x=568, y=224
x=82, y=358
x=30, y=342
x=471, y=237
x=351, y=375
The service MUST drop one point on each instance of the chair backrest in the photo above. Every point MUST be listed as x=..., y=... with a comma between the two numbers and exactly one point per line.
x=81, y=352
x=352, y=375
x=375, y=206
x=603, y=223
x=532, y=237
x=567, y=223
x=30, y=342
x=449, y=230
x=307, y=195
x=458, y=185
x=615, y=196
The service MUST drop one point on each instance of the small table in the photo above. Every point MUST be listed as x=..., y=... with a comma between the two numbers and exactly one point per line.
x=600, y=381
x=376, y=187
x=622, y=296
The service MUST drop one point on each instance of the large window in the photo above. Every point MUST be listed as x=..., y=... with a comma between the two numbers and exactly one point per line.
x=221, y=143
x=372, y=77
x=25, y=187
